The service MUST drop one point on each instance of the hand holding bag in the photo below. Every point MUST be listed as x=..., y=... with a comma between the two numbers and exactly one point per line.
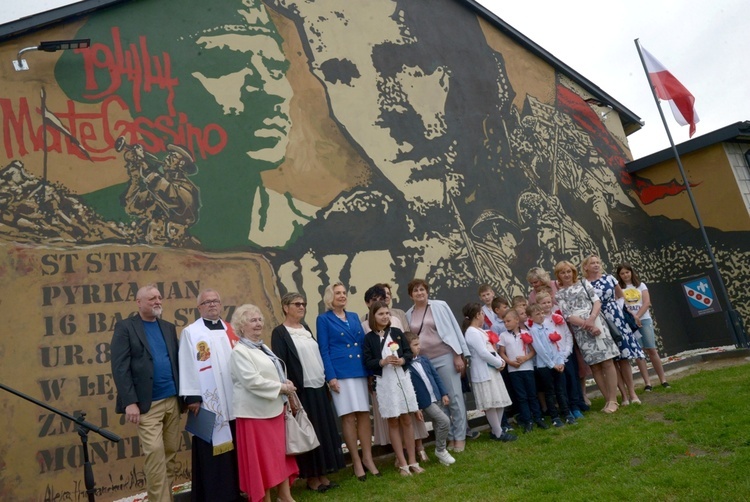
x=300, y=435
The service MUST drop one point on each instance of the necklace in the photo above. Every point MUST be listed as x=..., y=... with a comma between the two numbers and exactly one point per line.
x=342, y=316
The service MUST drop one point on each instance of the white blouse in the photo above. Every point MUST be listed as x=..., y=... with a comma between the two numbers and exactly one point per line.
x=309, y=355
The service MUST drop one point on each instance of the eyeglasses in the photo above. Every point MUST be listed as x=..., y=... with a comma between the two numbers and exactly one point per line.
x=210, y=302
x=299, y=305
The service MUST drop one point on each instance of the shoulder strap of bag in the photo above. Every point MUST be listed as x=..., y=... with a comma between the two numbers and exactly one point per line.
x=422, y=323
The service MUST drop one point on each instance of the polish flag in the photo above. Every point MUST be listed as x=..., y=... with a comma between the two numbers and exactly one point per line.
x=670, y=89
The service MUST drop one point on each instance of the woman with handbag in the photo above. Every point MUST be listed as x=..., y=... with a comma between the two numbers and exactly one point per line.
x=260, y=392
x=609, y=291
x=581, y=307
x=293, y=342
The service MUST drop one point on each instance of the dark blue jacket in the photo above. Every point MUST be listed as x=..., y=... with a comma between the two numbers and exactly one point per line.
x=423, y=395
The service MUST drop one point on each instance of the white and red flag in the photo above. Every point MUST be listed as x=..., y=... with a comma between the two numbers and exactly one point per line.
x=670, y=89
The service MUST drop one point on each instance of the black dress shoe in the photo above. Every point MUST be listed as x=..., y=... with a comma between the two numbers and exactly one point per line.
x=320, y=489
x=331, y=485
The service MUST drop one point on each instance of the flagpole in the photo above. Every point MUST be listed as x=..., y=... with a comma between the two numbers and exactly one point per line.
x=735, y=322
x=43, y=202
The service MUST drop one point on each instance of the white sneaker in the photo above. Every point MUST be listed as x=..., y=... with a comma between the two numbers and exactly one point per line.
x=444, y=457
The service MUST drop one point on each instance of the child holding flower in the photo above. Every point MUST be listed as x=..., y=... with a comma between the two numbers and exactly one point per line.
x=490, y=393
x=550, y=366
x=555, y=323
x=386, y=354
x=517, y=351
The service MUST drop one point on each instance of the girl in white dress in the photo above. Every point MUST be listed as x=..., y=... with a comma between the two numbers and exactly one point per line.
x=487, y=384
x=387, y=353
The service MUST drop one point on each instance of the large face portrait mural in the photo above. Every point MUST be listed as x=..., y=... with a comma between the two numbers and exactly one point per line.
x=261, y=147
x=296, y=130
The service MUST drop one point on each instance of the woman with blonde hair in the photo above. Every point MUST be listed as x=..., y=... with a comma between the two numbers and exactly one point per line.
x=609, y=291
x=539, y=280
x=340, y=340
x=580, y=307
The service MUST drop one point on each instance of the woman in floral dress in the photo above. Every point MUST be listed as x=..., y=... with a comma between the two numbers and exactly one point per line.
x=580, y=307
x=608, y=291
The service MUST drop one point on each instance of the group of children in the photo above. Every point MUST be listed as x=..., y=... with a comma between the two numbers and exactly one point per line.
x=521, y=355
x=537, y=347
x=522, y=363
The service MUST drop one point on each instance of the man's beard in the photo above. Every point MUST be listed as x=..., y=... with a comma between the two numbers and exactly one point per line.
x=157, y=311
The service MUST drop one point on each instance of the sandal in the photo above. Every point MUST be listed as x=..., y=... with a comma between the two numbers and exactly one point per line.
x=404, y=470
x=636, y=401
x=415, y=468
x=422, y=456
x=610, y=407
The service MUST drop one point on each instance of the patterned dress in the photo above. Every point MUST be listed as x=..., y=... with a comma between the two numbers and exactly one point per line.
x=577, y=301
x=605, y=290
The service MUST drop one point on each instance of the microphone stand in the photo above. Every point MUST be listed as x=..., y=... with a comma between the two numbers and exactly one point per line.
x=82, y=427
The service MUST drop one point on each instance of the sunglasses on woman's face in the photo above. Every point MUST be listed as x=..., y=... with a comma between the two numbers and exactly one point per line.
x=299, y=305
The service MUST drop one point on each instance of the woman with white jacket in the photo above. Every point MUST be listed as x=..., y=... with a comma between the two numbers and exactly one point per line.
x=443, y=344
x=487, y=384
x=260, y=390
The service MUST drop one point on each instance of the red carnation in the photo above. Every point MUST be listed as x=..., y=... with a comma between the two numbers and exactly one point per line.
x=493, y=337
x=557, y=318
x=555, y=337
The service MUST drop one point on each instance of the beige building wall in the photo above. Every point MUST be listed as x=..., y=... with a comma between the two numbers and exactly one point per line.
x=715, y=189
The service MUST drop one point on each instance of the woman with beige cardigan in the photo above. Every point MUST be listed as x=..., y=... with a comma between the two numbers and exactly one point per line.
x=259, y=394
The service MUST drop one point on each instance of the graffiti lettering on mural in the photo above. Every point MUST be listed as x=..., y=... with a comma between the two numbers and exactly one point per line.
x=98, y=131
x=143, y=70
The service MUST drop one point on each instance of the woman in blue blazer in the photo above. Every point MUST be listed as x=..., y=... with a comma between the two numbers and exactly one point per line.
x=340, y=339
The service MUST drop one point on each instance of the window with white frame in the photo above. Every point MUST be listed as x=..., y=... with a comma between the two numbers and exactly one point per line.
x=736, y=155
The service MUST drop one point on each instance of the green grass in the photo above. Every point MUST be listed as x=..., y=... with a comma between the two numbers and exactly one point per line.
x=690, y=442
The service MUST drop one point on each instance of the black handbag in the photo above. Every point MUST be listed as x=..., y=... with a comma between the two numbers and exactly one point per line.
x=613, y=329
x=630, y=320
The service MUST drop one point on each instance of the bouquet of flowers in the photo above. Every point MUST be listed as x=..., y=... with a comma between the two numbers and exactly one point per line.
x=393, y=347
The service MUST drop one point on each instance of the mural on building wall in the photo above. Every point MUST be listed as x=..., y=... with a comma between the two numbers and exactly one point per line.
x=265, y=147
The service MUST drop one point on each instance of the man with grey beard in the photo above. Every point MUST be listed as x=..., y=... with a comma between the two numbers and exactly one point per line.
x=144, y=366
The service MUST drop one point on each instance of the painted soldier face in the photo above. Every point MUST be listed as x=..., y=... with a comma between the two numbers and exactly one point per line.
x=249, y=85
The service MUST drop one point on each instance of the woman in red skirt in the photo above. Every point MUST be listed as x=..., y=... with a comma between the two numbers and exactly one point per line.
x=260, y=388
